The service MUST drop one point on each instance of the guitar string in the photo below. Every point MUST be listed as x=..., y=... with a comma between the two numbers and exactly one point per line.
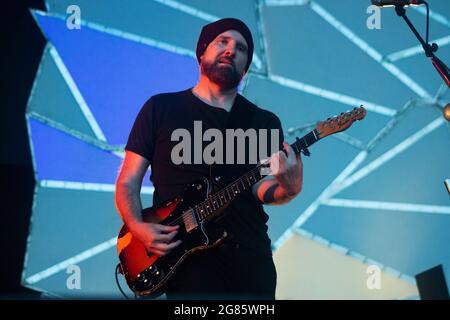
x=227, y=188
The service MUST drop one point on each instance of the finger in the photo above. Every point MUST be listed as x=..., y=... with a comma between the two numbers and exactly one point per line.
x=166, y=237
x=164, y=246
x=173, y=245
x=167, y=229
x=275, y=163
x=279, y=160
x=264, y=161
x=298, y=158
x=291, y=155
x=157, y=252
x=287, y=148
x=282, y=159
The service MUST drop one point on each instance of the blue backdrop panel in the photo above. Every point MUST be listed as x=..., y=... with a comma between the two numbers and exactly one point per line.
x=296, y=108
x=60, y=156
x=415, y=175
x=175, y=22
x=414, y=119
x=52, y=98
x=68, y=222
x=116, y=76
x=328, y=59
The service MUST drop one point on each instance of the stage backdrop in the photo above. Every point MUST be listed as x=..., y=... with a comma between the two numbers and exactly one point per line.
x=373, y=194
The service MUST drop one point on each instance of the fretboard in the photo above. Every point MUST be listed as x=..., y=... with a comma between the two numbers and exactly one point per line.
x=227, y=194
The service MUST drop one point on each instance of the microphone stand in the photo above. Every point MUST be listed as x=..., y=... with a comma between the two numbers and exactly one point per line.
x=429, y=49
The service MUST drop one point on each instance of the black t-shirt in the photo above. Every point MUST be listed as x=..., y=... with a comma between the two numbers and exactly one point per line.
x=150, y=137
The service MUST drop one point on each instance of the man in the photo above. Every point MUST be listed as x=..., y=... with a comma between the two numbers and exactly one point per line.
x=243, y=267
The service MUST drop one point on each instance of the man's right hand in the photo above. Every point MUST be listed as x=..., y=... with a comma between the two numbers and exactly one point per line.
x=155, y=237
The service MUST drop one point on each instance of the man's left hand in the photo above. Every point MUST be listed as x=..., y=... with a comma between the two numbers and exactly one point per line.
x=287, y=168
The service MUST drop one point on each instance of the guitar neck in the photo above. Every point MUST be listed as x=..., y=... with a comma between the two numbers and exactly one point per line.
x=224, y=196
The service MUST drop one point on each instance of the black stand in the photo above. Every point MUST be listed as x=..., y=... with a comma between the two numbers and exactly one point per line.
x=429, y=49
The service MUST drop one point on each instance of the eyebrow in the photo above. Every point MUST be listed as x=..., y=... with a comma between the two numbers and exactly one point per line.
x=228, y=38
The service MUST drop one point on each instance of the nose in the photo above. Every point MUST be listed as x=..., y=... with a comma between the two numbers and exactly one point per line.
x=231, y=50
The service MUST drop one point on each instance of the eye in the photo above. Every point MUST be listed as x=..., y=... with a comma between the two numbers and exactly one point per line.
x=242, y=48
x=223, y=41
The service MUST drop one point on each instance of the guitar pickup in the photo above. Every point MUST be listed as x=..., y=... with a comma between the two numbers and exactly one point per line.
x=190, y=222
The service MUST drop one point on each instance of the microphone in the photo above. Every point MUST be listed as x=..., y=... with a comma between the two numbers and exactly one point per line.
x=392, y=3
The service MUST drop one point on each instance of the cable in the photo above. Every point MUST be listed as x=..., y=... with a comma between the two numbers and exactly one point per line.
x=118, y=284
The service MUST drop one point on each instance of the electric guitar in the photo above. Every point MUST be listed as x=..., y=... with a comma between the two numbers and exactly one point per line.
x=194, y=211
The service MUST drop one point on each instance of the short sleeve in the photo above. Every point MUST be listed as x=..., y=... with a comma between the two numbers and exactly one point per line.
x=142, y=137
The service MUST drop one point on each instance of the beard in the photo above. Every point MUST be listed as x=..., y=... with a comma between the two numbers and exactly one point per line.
x=225, y=76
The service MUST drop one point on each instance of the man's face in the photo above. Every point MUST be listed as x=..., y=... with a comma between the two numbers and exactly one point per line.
x=225, y=58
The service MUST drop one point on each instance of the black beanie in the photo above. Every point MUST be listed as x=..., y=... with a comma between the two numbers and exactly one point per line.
x=212, y=30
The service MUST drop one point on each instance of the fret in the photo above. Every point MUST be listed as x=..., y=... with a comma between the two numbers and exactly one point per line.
x=228, y=192
x=248, y=180
x=211, y=205
x=207, y=207
x=253, y=175
x=223, y=196
x=202, y=210
x=305, y=142
x=233, y=186
x=215, y=204
x=220, y=198
x=243, y=185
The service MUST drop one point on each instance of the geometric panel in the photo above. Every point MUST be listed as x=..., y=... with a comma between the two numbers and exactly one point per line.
x=328, y=60
x=53, y=99
x=408, y=241
x=407, y=177
x=116, y=80
x=162, y=20
x=319, y=271
x=60, y=156
x=296, y=108
x=70, y=224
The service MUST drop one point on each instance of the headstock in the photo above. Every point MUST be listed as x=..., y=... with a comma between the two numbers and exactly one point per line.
x=341, y=122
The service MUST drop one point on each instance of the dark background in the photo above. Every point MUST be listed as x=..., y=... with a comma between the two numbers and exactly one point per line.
x=22, y=46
